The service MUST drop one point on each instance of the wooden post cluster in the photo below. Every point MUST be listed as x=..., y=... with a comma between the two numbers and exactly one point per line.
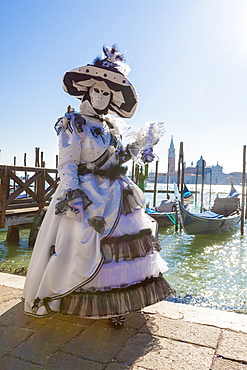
x=38, y=160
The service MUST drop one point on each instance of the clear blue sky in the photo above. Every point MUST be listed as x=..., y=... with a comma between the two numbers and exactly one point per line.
x=188, y=62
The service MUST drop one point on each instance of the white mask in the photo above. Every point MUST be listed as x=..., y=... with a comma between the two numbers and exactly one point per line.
x=100, y=95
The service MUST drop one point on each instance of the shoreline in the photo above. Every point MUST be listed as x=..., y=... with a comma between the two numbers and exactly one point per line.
x=202, y=315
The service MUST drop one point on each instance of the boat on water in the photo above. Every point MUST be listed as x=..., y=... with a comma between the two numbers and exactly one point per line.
x=165, y=213
x=163, y=219
x=224, y=216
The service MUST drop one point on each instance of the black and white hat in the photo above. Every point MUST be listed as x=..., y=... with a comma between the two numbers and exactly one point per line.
x=112, y=70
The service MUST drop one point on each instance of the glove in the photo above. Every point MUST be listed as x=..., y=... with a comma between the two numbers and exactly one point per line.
x=76, y=210
x=147, y=155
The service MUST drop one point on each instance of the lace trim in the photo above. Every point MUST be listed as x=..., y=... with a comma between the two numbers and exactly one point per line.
x=117, y=301
x=129, y=246
x=62, y=206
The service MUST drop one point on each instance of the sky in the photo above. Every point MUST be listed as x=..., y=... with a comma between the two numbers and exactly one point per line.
x=188, y=61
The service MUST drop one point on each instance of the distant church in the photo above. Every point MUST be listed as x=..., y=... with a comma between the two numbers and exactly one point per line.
x=212, y=174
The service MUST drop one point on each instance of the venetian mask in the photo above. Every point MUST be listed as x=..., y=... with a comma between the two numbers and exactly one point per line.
x=100, y=95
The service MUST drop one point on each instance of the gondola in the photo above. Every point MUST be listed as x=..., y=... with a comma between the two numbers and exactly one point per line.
x=165, y=213
x=163, y=219
x=224, y=216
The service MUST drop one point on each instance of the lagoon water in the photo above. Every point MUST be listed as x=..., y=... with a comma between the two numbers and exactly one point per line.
x=205, y=270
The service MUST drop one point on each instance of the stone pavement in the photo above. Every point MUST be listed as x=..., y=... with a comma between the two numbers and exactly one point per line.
x=163, y=336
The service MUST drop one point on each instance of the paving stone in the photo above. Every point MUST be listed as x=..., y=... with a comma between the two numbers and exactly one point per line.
x=61, y=360
x=136, y=320
x=222, y=364
x=162, y=353
x=49, y=336
x=99, y=342
x=11, y=363
x=9, y=297
x=73, y=319
x=200, y=315
x=233, y=345
x=137, y=347
x=181, y=330
x=12, y=281
x=8, y=305
x=11, y=337
x=118, y=366
x=9, y=293
x=16, y=317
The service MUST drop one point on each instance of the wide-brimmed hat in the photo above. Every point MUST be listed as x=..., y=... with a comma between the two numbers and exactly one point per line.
x=112, y=70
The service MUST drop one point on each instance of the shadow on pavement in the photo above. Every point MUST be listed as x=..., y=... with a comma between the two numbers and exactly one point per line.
x=70, y=342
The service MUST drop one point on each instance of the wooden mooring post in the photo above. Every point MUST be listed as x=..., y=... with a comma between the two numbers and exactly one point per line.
x=243, y=190
x=167, y=182
x=180, y=174
x=196, y=184
x=210, y=188
x=155, y=182
x=202, y=191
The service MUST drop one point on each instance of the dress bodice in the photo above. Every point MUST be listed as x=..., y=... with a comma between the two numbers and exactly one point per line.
x=98, y=142
x=88, y=143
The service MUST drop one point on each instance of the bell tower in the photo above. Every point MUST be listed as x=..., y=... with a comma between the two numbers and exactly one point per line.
x=171, y=156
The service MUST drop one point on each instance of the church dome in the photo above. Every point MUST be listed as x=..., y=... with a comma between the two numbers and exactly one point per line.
x=199, y=162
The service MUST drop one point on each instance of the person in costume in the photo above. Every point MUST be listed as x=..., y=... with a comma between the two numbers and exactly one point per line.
x=96, y=254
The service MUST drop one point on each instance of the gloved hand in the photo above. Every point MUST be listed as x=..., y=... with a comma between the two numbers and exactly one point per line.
x=147, y=155
x=133, y=149
x=76, y=209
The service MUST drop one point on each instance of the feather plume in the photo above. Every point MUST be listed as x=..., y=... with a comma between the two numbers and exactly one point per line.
x=112, y=53
x=148, y=135
x=113, y=56
x=144, y=139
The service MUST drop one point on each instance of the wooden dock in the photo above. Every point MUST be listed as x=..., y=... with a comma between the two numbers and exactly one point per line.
x=24, y=192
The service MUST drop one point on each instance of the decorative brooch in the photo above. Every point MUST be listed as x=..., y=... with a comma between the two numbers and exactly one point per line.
x=98, y=131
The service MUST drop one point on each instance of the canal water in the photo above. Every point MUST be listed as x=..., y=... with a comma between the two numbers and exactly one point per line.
x=205, y=270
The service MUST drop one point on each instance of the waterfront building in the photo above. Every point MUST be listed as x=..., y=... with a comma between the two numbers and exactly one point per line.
x=212, y=174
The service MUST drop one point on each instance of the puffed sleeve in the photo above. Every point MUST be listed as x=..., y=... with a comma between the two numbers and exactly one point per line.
x=70, y=145
x=69, y=152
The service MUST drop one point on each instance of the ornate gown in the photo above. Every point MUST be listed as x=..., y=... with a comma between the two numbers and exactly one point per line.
x=107, y=264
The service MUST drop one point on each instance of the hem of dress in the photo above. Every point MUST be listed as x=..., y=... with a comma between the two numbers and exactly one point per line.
x=103, y=304
x=120, y=301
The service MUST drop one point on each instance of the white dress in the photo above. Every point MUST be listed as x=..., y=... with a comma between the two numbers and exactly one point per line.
x=107, y=264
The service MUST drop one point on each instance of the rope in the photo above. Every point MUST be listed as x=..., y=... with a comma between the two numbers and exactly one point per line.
x=196, y=205
x=171, y=217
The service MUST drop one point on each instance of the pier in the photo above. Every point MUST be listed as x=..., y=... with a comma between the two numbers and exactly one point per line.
x=24, y=193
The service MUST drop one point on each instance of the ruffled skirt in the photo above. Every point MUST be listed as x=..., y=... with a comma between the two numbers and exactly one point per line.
x=131, y=277
x=75, y=270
